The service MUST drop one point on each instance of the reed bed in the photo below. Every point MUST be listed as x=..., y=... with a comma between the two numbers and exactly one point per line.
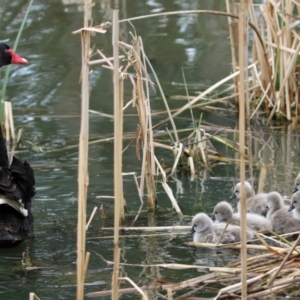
x=267, y=84
x=271, y=270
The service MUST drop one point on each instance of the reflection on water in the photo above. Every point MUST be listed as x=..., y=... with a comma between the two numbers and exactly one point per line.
x=46, y=100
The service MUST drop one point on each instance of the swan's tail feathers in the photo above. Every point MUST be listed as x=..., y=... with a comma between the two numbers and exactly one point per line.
x=18, y=182
x=24, y=181
x=9, y=239
x=10, y=226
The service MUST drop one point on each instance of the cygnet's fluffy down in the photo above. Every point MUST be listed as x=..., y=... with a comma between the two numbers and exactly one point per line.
x=297, y=184
x=255, y=203
x=295, y=205
x=279, y=216
x=223, y=212
x=205, y=230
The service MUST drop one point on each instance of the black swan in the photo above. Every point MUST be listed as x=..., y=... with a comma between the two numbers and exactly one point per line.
x=16, y=182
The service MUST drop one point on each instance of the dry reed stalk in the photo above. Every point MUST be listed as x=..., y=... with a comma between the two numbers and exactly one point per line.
x=192, y=168
x=145, y=125
x=265, y=75
x=6, y=123
x=177, y=152
x=140, y=192
x=91, y=218
x=141, y=100
x=189, y=282
x=232, y=47
x=283, y=262
x=121, y=291
x=177, y=266
x=102, y=212
x=171, y=119
x=203, y=94
x=83, y=179
x=242, y=50
x=202, y=145
x=103, y=60
x=153, y=228
x=262, y=178
x=237, y=246
x=9, y=123
x=238, y=286
x=33, y=296
x=107, y=237
x=118, y=147
x=168, y=189
x=144, y=296
x=148, y=111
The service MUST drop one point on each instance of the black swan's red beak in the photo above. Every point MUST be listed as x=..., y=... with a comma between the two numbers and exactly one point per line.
x=17, y=59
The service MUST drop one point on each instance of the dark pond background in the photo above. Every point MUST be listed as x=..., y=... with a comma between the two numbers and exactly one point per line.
x=46, y=100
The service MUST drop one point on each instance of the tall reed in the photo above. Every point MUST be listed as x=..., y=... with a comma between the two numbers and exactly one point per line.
x=243, y=44
x=118, y=147
x=83, y=180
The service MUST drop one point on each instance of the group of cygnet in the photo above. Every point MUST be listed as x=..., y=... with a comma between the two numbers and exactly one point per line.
x=264, y=211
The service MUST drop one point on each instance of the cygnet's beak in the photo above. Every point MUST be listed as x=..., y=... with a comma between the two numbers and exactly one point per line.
x=192, y=231
x=291, y=207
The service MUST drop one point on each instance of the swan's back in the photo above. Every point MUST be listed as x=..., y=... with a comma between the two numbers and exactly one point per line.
x=254, y=221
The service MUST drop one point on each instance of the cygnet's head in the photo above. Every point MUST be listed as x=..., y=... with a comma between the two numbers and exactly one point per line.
x=201, y=222
x=223, y=211
x=237, y=191
x=297, y=184
x=274, y=201
x=295, y=201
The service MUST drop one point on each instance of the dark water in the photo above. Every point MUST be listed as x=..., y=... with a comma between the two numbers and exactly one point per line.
x=46, y=101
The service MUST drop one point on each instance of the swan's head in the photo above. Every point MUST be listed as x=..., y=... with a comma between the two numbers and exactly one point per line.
x=297, y=184
x=295, y=201
x=237, y=190
x=201, y=222
x=8, y=56
x=274, y=201
x=223, y=211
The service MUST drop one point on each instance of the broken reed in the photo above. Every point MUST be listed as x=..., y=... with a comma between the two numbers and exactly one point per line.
x=145, y=133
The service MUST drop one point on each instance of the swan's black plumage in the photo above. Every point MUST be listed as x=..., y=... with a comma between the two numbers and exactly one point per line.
x=16, y=181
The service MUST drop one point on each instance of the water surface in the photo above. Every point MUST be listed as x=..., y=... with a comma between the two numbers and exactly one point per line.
x=46, y=101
